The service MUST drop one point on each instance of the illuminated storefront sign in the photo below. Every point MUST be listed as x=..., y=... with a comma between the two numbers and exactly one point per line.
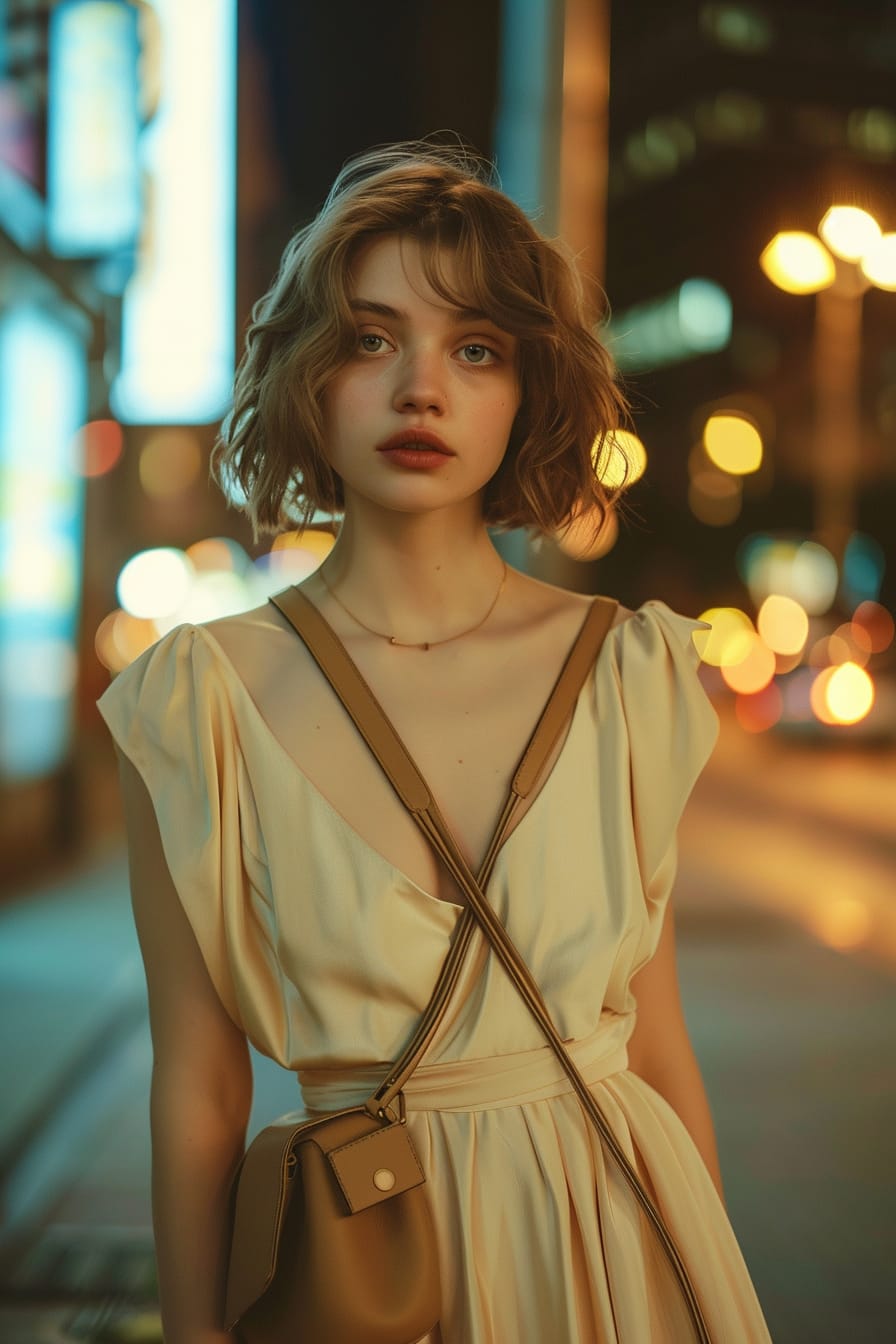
x=43, y=373
x=93, y=184
x=178, y=318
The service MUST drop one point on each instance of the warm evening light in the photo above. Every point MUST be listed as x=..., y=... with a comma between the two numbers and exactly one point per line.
x=783, y=624
x=715, y=497
x=849, y=643
x=315, y=542
x=754, y=671
x=733, y=443
x=879, y=262
x=729, y=641
x=582, y=540
x=757, y=713
x=849, y=232
x=877, y=623
x=120, y=638
x=625, y=458
x=169, y=462
x=843, y=694
x=842, y=923
x=798, y=263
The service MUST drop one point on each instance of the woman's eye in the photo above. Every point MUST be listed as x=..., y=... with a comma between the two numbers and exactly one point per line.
x=477, y=354
x=371, y=344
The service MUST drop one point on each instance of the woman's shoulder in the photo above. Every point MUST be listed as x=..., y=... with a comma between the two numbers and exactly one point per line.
x=547, y=601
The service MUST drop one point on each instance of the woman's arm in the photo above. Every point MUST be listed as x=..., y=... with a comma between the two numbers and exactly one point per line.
x=201, y=1090
x=660, y=1050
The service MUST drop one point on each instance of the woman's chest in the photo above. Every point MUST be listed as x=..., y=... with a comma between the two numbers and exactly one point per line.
x=466, y=736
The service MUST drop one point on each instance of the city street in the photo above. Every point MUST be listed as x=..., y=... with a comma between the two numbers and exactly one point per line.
x=789, y=991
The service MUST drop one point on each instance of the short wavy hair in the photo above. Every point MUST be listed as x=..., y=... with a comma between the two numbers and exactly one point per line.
x=269, y=450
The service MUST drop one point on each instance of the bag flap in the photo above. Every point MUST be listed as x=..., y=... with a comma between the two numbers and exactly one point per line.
x=262, y=1189
x=376, y=1167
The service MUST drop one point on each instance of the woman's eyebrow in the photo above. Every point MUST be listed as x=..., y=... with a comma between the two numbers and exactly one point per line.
x=384, y=310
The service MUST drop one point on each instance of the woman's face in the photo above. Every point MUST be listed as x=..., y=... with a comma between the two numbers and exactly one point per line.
x=419, y=365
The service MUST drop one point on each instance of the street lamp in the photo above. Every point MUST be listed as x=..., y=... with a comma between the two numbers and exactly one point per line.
x=849, y=257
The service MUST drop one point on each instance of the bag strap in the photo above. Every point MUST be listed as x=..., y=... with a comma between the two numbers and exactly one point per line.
x=374, y=725
x=397, y=763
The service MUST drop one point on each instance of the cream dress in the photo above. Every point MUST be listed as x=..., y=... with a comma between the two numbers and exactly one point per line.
x=326, y=954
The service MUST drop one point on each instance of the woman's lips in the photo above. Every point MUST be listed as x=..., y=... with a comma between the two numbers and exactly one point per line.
x=415, y=440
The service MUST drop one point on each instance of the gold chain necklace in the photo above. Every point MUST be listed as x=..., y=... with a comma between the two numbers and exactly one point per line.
x=402, y=643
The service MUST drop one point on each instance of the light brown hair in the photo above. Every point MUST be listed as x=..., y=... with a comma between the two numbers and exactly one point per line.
x=270, y=446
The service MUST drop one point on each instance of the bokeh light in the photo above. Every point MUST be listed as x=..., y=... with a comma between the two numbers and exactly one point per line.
x=625, y=458
x=877, y=623
x=583, y=540
x=169, y=462
x=213, y=554
x=802, y=570
x=312, y=540
x=879, y=262
x=842, y=694
x=849, y=644
x=843, y=922
x=154, y=583
x=733, y=443
x=730, y=638
x=120, y=638
x=97, y=447
x=798, y=263
x=783, y=624
x=757, y=713
x=754, y=671
x=849, y=232
x=714, y=497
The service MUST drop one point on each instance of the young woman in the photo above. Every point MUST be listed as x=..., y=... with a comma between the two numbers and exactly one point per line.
x=423, y=367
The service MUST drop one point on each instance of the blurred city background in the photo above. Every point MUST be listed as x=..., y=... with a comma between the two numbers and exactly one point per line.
x=726, y=174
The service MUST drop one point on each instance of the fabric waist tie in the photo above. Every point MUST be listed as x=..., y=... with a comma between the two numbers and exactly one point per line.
x=479, y=1084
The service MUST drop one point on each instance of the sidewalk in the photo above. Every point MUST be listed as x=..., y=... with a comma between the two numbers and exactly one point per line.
x=793, y=1037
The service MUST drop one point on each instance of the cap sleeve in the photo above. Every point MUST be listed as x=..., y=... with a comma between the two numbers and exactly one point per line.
x=672, y=729
x=168, y=714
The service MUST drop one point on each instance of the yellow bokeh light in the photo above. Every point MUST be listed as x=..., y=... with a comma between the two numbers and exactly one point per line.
x=843, y=923
x=783, y=624
x=316, y=542
x=583, y=540
x=842, y=694
x=624, y=458
x=754, y=671
x=733, y=443
x=730, y=639
x=798, y=263
x=120, y=638
x=879, y=262
x=169, y=462
x=849, y=232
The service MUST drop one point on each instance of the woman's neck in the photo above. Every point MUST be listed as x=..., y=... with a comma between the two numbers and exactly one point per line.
x=416, y=580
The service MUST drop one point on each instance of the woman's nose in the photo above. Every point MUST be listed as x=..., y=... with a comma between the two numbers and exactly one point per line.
x=420, y=385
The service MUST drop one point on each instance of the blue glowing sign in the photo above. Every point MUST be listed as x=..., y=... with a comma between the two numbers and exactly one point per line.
x=93, y=180
x=43, y=373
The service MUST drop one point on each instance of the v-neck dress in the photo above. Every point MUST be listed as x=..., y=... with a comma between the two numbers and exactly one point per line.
x=326, y=954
